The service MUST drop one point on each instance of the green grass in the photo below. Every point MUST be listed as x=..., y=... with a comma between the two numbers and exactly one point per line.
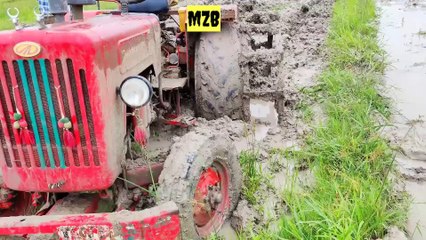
x=103, y=5
x=422, y=32
x=252, y=174
x=353, y=196
x=26, y=8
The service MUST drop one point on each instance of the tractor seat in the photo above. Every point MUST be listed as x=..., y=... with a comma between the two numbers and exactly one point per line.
x=150, y=6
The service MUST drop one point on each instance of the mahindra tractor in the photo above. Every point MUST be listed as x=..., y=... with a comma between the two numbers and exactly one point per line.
x=80, y=92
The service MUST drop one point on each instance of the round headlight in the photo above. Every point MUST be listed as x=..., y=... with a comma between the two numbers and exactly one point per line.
x=136, y=91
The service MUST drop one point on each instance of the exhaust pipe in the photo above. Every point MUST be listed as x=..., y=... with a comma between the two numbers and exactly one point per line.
x=77, y=7
x=58, y=8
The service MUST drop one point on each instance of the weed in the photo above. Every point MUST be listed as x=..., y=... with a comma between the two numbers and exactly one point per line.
x=422, y=32
x=215, y=237
x=252, y=174
x=306, y=111
x=279, y=7
x=275, y=163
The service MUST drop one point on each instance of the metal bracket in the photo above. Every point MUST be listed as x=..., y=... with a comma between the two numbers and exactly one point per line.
x=15, y=19
x=40, y=19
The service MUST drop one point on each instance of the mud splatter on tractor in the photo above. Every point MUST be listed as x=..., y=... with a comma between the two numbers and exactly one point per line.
x=77, y=98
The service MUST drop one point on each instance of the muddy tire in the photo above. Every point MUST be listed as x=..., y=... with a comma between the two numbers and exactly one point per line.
x=198, y=162
x=218, y=87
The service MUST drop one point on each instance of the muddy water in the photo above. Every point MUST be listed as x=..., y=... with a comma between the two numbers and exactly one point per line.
x=403, y=29
x=263, y=112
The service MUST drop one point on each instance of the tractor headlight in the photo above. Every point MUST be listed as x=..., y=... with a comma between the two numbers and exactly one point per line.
x=136, y=91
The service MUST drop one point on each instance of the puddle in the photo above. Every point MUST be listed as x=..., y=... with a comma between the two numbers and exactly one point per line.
x=264, y=114
x=403, y=29
x=417, y=212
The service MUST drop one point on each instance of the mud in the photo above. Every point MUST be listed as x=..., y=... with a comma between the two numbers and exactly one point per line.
x=402, y=29
x=281, y=54
x=282, y=42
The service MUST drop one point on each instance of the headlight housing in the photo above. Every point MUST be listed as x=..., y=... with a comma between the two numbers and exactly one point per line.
x=136, y=91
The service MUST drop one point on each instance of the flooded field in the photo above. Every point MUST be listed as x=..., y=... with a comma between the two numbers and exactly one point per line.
x=403, y=33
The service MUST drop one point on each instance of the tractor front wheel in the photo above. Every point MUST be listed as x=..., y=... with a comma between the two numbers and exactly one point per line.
x=203, y=177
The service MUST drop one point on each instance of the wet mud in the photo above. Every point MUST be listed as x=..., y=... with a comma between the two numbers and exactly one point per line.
x=402, y=31
x=281, y=42
x=281, y=53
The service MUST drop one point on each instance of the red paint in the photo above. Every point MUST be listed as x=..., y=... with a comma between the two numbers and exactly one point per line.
x=158, y=223
x=180, y=120
x=162, y=227
x=85, y=178
x=92, y=45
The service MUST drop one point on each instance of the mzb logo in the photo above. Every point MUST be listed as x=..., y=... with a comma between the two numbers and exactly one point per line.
x=204, y=18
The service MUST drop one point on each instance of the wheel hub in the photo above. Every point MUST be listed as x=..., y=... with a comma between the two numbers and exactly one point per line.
x=207, y=197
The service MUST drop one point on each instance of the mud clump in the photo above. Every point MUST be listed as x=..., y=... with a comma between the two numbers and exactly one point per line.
x=395, y=234
x=243, y=216
x=281, y=42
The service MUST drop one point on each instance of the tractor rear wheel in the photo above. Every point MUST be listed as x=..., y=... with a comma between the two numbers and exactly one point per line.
x=218, y=87
x=203, y=177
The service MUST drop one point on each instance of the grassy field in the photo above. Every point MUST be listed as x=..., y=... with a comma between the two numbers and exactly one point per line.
x=26, y=8
x=353, y=196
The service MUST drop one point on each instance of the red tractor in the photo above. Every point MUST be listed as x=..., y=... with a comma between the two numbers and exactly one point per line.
x=77, y=98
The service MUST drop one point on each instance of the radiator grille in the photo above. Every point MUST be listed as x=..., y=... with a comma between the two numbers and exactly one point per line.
x=39, y=88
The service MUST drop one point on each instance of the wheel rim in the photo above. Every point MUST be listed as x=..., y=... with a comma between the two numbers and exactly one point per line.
x=211, y=199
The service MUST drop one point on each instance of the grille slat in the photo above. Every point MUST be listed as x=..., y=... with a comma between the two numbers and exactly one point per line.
x=5, y=142
x=53, y=130
x=71, y=106
x=28, y=150
x=33, y=111
x=58, y=100
x=9, y=105
x=89, y=115
x=32, y=151
x=44, y=89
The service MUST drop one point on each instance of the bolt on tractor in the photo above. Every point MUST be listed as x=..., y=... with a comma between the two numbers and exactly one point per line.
x=79, y=91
